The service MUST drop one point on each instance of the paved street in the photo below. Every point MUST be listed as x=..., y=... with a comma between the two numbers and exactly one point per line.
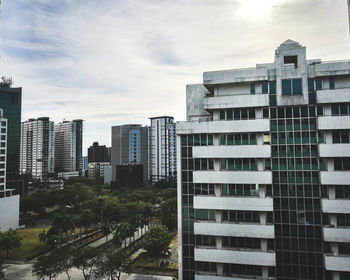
x=24, y=272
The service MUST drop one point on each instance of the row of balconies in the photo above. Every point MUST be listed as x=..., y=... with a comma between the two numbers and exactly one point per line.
x=256, y=125
x=262, y=100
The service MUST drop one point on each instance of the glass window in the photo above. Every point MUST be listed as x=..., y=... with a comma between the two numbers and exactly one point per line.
x=318, y=84
x=286, y=87
x=264, y=87
x=222, y=114
x=229, y=115
x=297, y=87
x=331, y=83
x=311, y=85
x=252, y=88
x=335, y=109
x=272, y=88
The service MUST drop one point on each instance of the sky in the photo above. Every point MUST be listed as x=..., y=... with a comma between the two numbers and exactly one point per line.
x=113, y=62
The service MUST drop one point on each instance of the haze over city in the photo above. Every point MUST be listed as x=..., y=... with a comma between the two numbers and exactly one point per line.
x=116, y=62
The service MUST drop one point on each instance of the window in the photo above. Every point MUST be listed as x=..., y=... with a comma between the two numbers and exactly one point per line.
x=286, y=87
x=318, y=84
x=297, y=87
x=252, y=88
x=264, y=87
x=272, y=88
x=291, y=59
x=311, y=85
x=331, y=83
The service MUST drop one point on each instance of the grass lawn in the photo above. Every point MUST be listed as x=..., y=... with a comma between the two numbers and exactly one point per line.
x=30, y=244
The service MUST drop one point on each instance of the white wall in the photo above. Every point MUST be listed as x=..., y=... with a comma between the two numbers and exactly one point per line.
x=9, y=213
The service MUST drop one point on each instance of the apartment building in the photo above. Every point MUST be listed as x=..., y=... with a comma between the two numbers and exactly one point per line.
x=37, y=147
x=264, y=171
x=68, y=146
x=3, y=150
x=161, y=149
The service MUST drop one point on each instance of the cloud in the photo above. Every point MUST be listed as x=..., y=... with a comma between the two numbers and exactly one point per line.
x=112, y=62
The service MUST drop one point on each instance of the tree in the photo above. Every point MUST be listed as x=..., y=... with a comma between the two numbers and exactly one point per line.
x=59, y=261
x=6, y=82
x=10, y=240
x=156, y=242
x=169, y=213
x=84, y=260
x=111, y=264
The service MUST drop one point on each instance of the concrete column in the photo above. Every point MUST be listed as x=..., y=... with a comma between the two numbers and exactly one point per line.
x=258, y=113
x=333, y=219
x=328, y=138
x=262, y=216
x=219, y=269
x=335, y=275
x=217, y=190
x=330, y=164
x=327, y=110
x=335, y=249
x=260, y=163
x=263, y=245
x=260, y=138
x=262, y=191
x=331, y=192
x=216, y=115
x=218, y=243
x=216, y=139
x=265, y=273
x=218, y=216
x=216, y=164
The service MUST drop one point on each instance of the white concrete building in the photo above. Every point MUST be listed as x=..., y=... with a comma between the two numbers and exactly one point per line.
x=162, y=163
x=9, y=202
x=264, y=171
x=68, y=142
x=97, y=169
x=37, y=147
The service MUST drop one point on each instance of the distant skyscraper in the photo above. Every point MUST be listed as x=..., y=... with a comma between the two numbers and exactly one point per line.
x=98, y=153
x=161, y=164
x=264, y=171
x=130, y=145
x=3, y=150
x=37, y=147
x=68, y=146
x=171, y=127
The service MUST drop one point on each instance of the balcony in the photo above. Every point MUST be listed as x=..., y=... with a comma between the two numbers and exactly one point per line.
x=242, y=126
x=335, y=206
x=238, y=151
x=215, y=277
x=236, y=101
x=235, y=230
x=334, y=150
x=233, y=256
x=333, y=122
x=233, y=203
x=335, y=177
x=331, y=234
x=337, y=263
x=232, y=177
x=333, y=95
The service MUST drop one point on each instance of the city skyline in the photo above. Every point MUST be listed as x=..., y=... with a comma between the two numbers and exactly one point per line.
x=69, y=56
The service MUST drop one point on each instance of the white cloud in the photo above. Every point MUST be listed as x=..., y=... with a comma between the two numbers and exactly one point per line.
x=114, y=62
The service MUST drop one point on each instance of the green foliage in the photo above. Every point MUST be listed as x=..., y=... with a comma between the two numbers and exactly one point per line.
x=169, y=213
x=84, y=259
x=10, y=240
x=156, y=242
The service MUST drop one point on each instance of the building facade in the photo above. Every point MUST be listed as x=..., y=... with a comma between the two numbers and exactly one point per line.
x=129, y=175
x=98, y=153
x=9, y=201
x=37, y=148
x=68, y=146
x=129, y=145
x=161, y=149
x=264, y=171
x=96, y=169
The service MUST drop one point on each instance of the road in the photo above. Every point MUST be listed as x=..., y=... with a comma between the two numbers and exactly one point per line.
x=24, y=272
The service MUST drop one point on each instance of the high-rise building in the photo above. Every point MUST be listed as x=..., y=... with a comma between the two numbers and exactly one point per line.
x=96, y=169
x=171, y=127
x=264, y=171
x=68, y=146
x=11, y=103
x=161, y=163
x=37, y=148
x=129, y=145
x=9, y=201
x=98, y=153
